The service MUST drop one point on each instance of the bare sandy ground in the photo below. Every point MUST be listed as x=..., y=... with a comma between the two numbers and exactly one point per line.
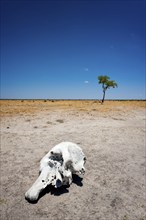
x=111, y=135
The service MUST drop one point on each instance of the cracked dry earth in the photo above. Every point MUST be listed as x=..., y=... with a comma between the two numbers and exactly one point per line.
x=113, y=187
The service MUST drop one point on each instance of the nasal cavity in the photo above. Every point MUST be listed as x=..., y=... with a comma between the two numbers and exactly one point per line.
x=58, y=183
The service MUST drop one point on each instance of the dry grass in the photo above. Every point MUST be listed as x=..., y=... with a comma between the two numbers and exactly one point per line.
x=15, y=107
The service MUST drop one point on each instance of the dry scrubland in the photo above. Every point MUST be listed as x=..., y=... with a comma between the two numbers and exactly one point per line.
x=111, y=135
x=14, y=107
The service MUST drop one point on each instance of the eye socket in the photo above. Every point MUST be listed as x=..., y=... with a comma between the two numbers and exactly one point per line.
x=43, y=181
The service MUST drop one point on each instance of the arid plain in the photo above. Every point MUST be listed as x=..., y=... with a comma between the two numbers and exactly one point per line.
x=111, y=135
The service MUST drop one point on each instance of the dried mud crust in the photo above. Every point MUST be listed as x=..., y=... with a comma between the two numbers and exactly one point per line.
x=113, y=140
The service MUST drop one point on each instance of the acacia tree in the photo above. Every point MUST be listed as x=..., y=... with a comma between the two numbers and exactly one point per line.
x=106, y=84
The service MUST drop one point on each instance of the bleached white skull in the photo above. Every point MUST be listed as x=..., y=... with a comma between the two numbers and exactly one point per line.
x=57, y=167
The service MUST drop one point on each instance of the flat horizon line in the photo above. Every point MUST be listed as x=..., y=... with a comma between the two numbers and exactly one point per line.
x=35, y=99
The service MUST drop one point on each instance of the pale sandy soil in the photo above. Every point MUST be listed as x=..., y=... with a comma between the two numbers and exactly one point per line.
x=112, y=137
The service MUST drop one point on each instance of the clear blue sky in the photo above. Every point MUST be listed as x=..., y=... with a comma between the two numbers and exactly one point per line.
x=56, y=49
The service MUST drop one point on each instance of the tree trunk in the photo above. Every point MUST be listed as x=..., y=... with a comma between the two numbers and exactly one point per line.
x=103, y=96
